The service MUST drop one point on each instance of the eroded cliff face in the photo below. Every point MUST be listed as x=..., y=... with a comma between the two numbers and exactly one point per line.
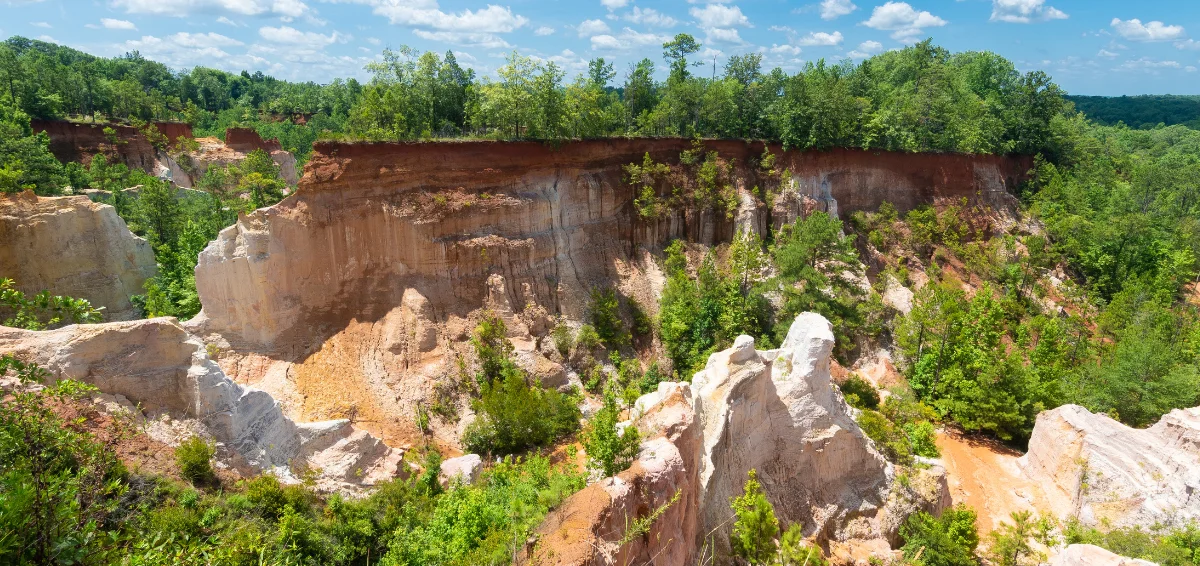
x=368, y=278
x=77, y=141
x=73, y=246
x=186, y=169
x=1102, y=472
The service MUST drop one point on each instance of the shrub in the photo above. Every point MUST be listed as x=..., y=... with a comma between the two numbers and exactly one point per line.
x=793, y=551
x=587, y=339
x=860, y=393
x=610, y=451
x=753, y=535
x=491, y=347
x=604, y=312
x=921, y=438
x=563, y=340
x=887, y=436
x=514, y=416
x=949, y=540
x=193, y=457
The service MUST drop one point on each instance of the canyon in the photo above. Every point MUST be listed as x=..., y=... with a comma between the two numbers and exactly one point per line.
x=333, y=318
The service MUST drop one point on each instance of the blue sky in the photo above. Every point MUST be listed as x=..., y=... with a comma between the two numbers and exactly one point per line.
x=1108, y=47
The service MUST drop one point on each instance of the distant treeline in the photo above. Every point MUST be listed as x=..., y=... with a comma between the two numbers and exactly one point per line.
x=1145, y=111
x=921, y=98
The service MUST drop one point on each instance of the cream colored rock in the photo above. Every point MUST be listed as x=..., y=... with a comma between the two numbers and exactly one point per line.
x=75, y=247
x=1089, y=555
x=465, y=469
x=897, y=296
x=1102, y=472
x=157, y=365
x=777, y=412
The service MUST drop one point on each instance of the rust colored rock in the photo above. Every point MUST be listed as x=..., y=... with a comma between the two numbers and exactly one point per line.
x=247, y=140
x=77, y=141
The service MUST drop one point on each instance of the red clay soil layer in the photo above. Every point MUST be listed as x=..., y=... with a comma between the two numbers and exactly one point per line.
x=76, y=141
x=449, y=164
x=247, y=140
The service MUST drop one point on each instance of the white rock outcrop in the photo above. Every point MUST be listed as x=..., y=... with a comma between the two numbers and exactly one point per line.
x=1088, y=555
x=1102, y=472
x=777, y=412
x=75, y=247
x=774, y=411
x=465, y=469
x=159, y=366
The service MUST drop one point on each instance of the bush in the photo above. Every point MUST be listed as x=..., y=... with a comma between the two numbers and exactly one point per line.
x=889, y=439
x=753, y=535
x=587, y=339
x=860, y=393
x=563, y=340
x=514, y=416
x=193, y=457
x=949, y=540
x=604, y=312
x=610, y=451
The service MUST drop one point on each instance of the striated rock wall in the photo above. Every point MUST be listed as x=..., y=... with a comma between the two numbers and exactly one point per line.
x=1104, y=473
x=76, y=141
x=156, y=364
x=247, y=140
x=774, y=411
x=73, y=246
x=186, y=170
x=376, y=219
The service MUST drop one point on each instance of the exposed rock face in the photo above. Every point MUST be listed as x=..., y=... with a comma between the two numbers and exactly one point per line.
x=187, y=170
x=75, y=141
x=158, y=365
x=73, y=246
x=774, y=411
x=465, y=469
x=1101, y=471
x=1088, y=555
x=777, y=412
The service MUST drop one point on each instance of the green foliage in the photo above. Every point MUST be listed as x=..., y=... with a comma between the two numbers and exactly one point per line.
x=1174, y=546
x=860, y=393
x=1145, y=111
x=1012, y=542
x=564, y=340
x=25, y=159
x=491, y=347
x=43, y=311
x=587, y=339
x=699, y=316
x=754, y=531
x=794, y=552
x=604, y=312
x=949, y=540
x=610, y=451
x=817, y=265
x=193, y=456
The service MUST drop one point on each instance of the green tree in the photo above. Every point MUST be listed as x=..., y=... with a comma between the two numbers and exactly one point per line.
x=610, y=451
x=754, y=531
x=949, y=540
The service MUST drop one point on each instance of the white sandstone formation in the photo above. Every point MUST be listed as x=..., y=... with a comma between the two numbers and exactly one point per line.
x=1102, y=472
x=75, y=247
x=157, y=365
x=774, y=411
x=777, y=412
x=1088, y=555
x=465, y=469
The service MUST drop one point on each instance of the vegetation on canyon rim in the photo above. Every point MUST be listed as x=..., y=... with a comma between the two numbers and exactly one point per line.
x=1119, y=210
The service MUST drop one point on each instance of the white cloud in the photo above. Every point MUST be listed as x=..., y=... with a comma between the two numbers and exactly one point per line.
x=464, y=38
x=592, y=27
x=628, y=39
x=650, y=17
x=783, y=29
x=719, y=16
x=1190, y=69
x=902, y=20
x=865, y=49
x=821, y=38
x=228, y=22
x=614, y=4
x=110, y=23
x=1106, y=53
x=834, y=9
x=784, y=50
x=723, y=35
x=291, y=36
x=374, y=41
x=1147, y=64
x=1025, y=11
x=180, y=8
x=425, y=13
x=40, y=25
x=1134, y=30
x=47, y=39
x=543, y=31
x=1188, y=44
